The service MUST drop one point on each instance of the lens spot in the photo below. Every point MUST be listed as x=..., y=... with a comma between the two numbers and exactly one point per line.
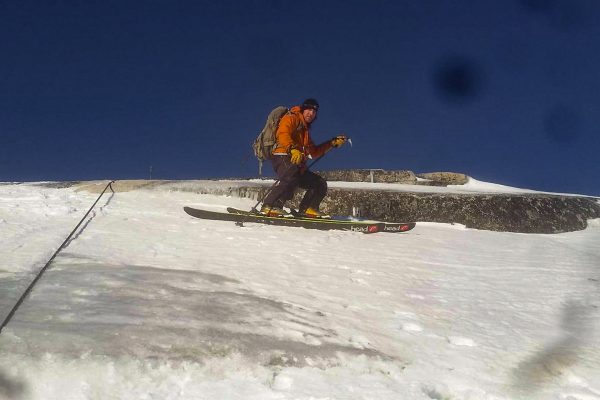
x=562, y=124
x=457, y=79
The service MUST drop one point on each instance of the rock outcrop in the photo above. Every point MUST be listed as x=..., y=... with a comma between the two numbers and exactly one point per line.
x=395, y=176
x=444, y=178
x=522, y=213
x=370, y=175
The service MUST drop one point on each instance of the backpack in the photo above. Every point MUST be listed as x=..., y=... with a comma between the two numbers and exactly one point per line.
x=265, y=142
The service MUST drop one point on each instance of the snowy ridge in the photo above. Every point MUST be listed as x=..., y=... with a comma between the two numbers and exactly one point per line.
x=148, y=302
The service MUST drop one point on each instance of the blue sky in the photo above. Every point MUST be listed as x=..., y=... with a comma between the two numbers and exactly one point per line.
x=506, y=91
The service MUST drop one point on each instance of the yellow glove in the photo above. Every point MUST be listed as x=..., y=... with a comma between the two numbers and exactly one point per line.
x=338, y=140
x=297, y=156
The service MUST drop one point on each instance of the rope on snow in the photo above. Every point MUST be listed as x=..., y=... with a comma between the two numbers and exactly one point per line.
x=45, y=267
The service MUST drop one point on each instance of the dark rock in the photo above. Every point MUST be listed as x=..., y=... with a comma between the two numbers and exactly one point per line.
x=395, y=176
x=445, y=178
x=495, y=212
x=370, y=175
x=58, y=185
x=522, y=213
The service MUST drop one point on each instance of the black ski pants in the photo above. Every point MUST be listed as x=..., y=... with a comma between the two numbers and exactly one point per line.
x=291, y=177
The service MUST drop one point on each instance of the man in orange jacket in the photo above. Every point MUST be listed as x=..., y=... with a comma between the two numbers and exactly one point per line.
x=293, y=148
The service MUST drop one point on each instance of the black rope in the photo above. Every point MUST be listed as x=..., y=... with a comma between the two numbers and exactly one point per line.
x=45, y=267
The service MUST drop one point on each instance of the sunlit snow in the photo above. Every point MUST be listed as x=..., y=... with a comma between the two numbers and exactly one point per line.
x=147, y=302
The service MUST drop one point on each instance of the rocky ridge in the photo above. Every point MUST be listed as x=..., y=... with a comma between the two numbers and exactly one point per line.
x=395, y=176
x=519, y=212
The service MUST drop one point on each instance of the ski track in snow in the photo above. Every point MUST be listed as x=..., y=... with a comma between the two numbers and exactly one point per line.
x=148, y=302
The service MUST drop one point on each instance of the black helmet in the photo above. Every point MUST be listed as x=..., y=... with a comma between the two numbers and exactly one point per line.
x=310, y=104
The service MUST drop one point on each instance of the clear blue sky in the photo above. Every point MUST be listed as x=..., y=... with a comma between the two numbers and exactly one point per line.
x=503, y=90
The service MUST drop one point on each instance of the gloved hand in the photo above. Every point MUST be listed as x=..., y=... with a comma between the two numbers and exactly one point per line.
x=297, y=156
x=338, y=140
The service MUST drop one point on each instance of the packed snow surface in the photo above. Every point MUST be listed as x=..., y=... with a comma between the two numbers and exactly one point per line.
x=147, y=302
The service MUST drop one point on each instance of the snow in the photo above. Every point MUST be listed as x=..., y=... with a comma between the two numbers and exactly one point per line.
x=148, y=303
x=472, y=186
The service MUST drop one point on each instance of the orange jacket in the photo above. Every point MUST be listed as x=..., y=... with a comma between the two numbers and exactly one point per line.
x=294, y=133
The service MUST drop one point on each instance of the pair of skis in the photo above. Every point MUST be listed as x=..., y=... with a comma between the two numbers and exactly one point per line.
x=335, y=223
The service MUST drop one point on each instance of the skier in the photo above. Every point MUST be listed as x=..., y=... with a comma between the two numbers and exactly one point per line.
x=294, y=146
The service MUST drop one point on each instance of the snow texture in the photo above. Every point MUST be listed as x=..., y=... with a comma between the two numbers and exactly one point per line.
x=148, y=303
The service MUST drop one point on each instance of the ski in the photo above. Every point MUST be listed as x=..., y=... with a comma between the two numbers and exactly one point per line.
x=240, y=217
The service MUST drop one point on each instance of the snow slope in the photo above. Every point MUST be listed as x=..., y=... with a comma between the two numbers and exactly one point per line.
x=149, y=303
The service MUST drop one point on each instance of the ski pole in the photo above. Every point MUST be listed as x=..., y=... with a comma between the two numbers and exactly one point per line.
x=307, y=168
x=323, y=155
x=278, y=180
